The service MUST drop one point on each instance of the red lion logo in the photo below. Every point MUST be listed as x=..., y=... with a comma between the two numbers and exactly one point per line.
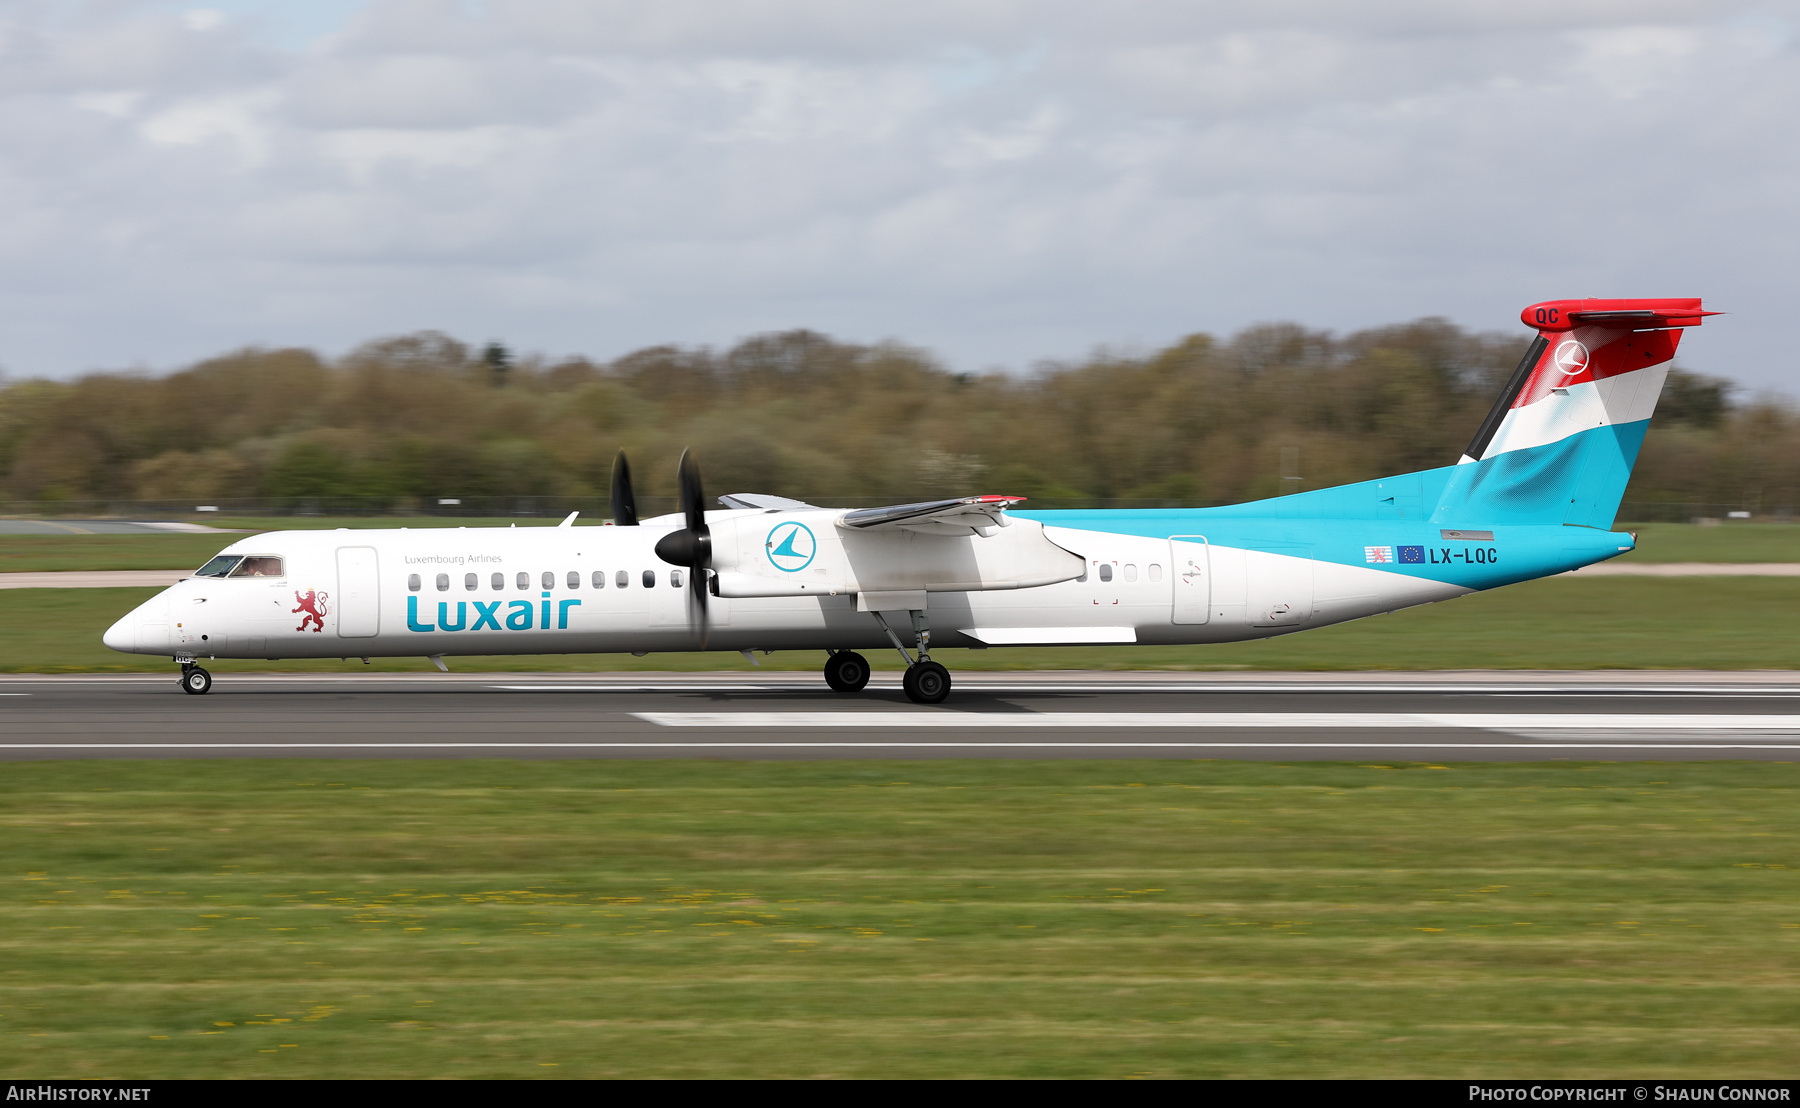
x=313, y=604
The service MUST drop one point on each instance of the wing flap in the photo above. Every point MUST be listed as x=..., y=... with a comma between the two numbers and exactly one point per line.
x=762, y=500
x=977, y=514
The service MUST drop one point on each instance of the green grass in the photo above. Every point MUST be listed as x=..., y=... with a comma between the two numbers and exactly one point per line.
x=1731, y=542
x=1564, y=623
x=1058, y=919
x=1658, y=542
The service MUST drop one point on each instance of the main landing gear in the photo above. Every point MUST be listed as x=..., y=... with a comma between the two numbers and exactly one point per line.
x=195, y=680
x=925, y=682
x=846, y=671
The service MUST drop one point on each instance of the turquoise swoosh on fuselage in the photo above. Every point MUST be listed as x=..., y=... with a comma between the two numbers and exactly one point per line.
x=1523, y=497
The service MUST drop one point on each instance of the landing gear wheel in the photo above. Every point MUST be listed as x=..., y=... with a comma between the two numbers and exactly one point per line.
x=196, y=681
x=847, y=671
x=927, y=683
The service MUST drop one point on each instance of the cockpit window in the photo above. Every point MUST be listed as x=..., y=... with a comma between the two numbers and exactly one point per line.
x=259, y=565
x=219, y=566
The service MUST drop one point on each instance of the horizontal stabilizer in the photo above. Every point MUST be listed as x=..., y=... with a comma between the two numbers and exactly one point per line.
x=1627, y=315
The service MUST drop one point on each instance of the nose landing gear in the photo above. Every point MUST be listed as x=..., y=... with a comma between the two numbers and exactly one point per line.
x=194, y=680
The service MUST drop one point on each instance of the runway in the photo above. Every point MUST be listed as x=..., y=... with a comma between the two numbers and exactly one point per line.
x=1288, y=717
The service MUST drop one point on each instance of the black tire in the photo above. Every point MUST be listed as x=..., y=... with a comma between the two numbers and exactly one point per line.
x=196, y=681
x=847, y=671
x=927, y=683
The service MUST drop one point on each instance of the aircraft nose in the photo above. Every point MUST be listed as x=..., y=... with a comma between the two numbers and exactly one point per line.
x=122, y=636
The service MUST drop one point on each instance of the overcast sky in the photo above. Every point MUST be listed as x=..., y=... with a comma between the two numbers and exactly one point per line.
x=999, y=182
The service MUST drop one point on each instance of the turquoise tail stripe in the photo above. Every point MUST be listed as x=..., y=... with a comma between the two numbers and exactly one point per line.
x=1578, y=481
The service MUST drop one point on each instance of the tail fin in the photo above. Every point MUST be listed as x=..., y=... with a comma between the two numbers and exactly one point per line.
x=1559, y=444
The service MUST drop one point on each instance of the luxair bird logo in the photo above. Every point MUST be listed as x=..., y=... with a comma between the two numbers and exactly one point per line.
x=313, y=604
x=1571, y=358
x=791, y=547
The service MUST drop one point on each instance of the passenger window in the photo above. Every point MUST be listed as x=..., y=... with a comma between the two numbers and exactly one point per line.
x=649, y=579
x=1105, y=572
x=217, y=567
x=498, y=581
x=471, y=581
x=549, y=579
x=622, y=579
x=1155, y=572
x=258, y=565
x=599, y=579
x=574, y=579
x=674, y=579
x=524, y=580
x=412, y=582
x=1130, y=572
x=443, y=582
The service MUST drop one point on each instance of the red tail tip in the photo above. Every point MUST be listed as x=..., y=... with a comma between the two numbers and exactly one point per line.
x=1633, y=315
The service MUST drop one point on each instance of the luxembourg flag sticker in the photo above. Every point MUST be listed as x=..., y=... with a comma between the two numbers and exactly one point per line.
x=1375, y=555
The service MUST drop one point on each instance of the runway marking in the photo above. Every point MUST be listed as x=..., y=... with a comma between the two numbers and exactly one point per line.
x=835, y=744
x=1246, y=721
x=974, y=686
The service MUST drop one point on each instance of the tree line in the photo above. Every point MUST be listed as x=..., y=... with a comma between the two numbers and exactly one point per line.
x=410, y=420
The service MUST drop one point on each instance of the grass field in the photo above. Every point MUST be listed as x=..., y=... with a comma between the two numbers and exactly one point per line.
x=496, y=919
x=1564, y=623
x=1658, y=542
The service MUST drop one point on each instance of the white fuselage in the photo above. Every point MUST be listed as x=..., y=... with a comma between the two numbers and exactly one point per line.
x=565, y=590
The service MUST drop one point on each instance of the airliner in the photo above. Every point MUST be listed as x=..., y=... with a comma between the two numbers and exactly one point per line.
x=1535, y=494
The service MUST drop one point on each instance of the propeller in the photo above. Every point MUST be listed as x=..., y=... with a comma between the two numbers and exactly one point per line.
x=691, y=547
x=624, y=505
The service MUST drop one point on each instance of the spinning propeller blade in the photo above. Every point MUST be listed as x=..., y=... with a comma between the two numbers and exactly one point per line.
x=691, y=547
x=624, y=504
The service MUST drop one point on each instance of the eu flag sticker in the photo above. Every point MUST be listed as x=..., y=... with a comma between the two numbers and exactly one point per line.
x=1412, y=555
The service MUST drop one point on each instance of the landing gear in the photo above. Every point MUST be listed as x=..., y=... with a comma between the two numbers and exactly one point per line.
x=195, y=681
x=847, y=671
x=925, y=682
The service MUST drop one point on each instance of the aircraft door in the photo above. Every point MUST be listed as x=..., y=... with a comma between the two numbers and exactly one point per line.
x=358, y=593
x=1192, y=579
x=1280, y=588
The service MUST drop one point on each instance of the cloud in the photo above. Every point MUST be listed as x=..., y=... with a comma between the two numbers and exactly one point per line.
x=1000, y=181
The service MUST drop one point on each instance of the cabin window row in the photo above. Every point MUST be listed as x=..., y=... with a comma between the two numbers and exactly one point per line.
x=1129, y=572
x=471, y=582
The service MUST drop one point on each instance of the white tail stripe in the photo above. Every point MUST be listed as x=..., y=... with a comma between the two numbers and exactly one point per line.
x=1610, y=402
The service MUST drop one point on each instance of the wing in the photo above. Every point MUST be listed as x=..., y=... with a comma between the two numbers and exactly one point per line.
x=970, y=514
x=761, y=500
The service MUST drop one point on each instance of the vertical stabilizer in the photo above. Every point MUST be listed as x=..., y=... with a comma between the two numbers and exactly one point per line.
x=1559, y=443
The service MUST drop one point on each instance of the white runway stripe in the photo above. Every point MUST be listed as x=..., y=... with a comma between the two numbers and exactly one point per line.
x=977, y=685
x=1239, y=721
x=831, y=744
